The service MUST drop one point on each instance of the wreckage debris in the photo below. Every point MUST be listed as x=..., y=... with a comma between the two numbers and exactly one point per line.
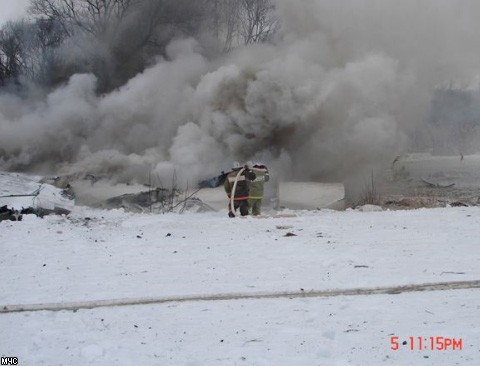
x=458, y=204
x=158, y=200
x=142, y=201
x=23, y=195
x=9, y=214
x=437, y=185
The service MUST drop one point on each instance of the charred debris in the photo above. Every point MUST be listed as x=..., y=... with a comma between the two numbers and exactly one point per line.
x=21, y=195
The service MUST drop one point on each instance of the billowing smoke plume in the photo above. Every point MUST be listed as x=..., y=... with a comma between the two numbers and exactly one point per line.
x=346, y=85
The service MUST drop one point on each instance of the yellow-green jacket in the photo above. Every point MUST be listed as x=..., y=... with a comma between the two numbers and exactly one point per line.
x=256, y=186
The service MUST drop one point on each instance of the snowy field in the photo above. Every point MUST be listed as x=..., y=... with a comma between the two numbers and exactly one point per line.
x=95, y=255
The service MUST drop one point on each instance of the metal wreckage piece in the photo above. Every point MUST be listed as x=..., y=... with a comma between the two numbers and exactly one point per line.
x=21, y=195
x=158, y=200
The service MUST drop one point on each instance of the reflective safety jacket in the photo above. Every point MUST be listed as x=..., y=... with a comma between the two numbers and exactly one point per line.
x=256, y=186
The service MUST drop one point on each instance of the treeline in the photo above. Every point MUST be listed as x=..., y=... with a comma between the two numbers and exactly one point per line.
x=116, y=39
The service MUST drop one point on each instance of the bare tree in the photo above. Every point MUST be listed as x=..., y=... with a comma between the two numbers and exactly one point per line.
x=43, y=54
x=12, y=52
x=258, y=21
x=90, y=16
x=242, y=22
x=117, y=38
x=28, y=50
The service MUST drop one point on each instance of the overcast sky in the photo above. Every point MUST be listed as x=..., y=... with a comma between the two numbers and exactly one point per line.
x=12, y=9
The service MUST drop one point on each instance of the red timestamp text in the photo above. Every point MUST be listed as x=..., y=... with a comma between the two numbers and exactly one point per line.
x=427, y=343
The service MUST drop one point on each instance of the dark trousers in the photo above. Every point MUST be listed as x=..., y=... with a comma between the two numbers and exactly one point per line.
x=243, y=205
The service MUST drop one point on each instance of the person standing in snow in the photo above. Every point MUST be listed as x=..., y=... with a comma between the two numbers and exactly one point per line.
x=256, y=188
x=237, y=189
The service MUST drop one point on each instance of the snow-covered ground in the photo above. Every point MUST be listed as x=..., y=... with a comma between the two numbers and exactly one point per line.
x=95, y=255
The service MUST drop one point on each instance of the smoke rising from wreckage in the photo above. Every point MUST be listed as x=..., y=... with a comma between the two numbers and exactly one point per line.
x=340, y=90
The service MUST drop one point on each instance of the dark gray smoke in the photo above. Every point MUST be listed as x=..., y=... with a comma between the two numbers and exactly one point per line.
x=345, y=86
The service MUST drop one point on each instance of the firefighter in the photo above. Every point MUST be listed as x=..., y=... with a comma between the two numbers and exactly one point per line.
x=237, y=189
x=256, y=188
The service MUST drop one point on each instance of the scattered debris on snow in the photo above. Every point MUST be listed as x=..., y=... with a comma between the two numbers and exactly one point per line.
x=369, y=208
x=437, y=185
x=21, y=194
x=9, y=214
x=158, y=200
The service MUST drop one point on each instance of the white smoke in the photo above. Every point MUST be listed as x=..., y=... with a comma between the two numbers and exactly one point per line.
x=346, y=85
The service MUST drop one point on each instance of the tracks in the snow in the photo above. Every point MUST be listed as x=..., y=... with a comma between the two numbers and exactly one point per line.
x=73, y=306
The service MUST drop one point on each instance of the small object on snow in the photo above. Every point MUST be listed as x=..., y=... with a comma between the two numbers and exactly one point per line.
x=406, y=202
x=458, y=204
x=437, y=185
x=139, y=237
x=361, y=266
x=369, y=208
x=252, y=341
x=284, y=227
x=9, y=214
x=169, y=234
x=290, y=234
